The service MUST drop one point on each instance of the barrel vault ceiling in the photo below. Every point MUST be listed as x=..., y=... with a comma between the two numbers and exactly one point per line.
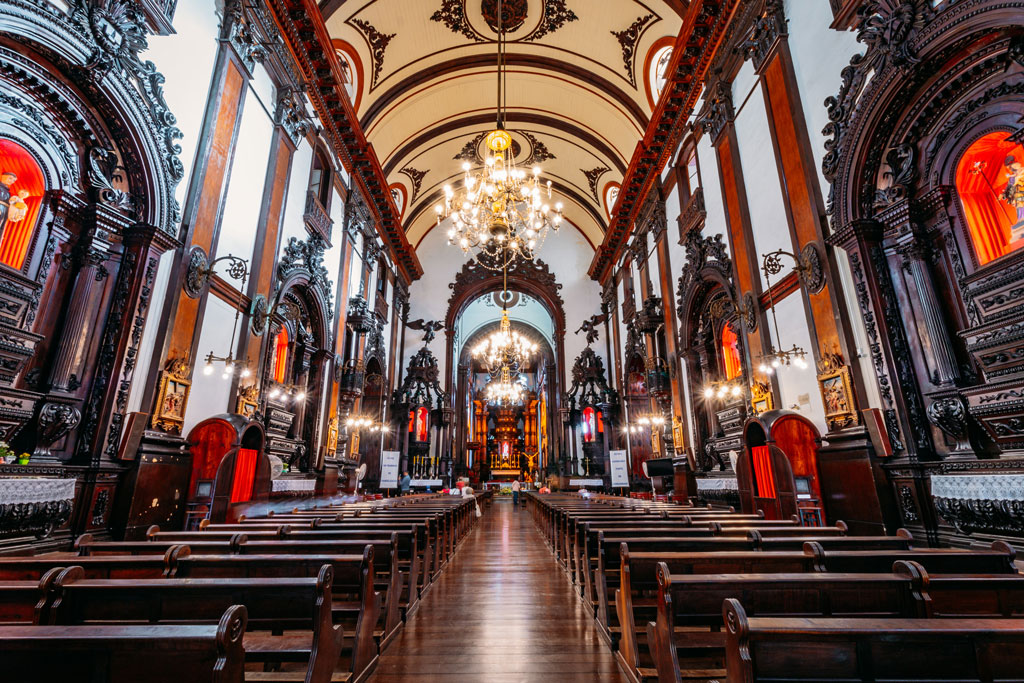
x=424, y=79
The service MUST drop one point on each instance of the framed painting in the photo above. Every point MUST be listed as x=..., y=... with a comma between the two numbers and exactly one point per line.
x=172, y=399
x=837, y=395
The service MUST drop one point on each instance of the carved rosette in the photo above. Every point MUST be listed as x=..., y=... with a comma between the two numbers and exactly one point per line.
x=812, y=272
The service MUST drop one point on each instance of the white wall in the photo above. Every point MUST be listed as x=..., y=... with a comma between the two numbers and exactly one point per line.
x=210, y=394
x=243, y=200
x=186, y=60
x=819, y=55
x=798, y=387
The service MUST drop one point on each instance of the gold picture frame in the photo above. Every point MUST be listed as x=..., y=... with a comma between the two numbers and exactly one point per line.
x=837, y=393
x=172, y=396
x=761, y=398
x=332, y=436
x=248, y=401
x=677, y=433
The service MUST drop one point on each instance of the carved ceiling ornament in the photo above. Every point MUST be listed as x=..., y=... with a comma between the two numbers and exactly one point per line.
x=453, y=14
x=378, y=43
x=629, y=38
x=593, y=177
x=416, y=176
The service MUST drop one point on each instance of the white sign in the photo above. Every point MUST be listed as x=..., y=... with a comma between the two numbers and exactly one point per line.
x=586, y=482
x=389, y=469
x=427, y=482
x=620, y=468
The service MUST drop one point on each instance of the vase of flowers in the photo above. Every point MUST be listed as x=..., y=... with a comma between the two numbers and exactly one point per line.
x=6, y=454
x=23, y=458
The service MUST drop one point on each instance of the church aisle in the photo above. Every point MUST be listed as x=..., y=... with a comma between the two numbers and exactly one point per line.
x=503, y=612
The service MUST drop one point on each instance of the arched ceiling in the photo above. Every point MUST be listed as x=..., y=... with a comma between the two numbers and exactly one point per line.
x=577, y=102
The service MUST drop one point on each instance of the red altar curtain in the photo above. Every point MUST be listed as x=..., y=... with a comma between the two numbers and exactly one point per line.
x=280, y=355
x=18, y=236
x=981, y=177
x=730, y=352
x=245, y=474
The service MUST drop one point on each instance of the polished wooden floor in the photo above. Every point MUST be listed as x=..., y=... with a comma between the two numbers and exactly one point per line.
x=503, y=612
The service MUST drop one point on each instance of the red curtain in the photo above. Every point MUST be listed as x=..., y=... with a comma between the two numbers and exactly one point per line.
x=763, y=472
x=280, y=355
x=730, y=353
x=981, y=177
x=245, y=475
x=18, y=236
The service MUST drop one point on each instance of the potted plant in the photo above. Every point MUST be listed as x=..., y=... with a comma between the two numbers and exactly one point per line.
x=23, y=458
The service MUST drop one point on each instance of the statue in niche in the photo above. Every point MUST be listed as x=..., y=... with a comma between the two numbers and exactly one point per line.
x=1014, y=194
x=12, y=204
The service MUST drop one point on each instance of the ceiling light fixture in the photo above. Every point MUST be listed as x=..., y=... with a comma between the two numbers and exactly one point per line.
x=500, y=211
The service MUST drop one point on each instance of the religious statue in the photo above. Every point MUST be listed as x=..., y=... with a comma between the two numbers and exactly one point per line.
x=590, y=327
x=6, y=180
x=1014, y=195
x=430, y=328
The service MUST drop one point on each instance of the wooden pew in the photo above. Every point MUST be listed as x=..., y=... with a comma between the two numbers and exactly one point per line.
x=311, y=652
x=21, y=600
x=156, y=654
x=998, y=560
x=353, y=592
x=967, y=595
x=829, y=649
x=689, y=612
x=17, y=567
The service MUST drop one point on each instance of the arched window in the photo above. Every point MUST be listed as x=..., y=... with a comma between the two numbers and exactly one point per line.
x=21, y=198
x=656, y=68
x=320, y=178
x=730, y=346
x=990, y=182
x=611, y=195
x=352, y=67
x=280, y=364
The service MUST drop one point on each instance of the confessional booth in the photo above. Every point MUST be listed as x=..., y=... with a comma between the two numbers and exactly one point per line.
x=777, y=471
x=229, y=467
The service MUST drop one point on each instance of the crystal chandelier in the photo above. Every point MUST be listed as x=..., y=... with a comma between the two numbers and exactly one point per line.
x=500, y=211
x=505, y=391
x=504, y=349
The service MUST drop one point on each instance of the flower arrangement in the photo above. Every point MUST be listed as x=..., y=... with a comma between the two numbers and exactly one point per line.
x=8, y=456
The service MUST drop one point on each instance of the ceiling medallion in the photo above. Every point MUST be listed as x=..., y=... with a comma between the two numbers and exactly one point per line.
x=513, y=14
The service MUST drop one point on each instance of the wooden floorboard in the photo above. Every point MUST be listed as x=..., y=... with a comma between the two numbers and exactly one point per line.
x=503, y=611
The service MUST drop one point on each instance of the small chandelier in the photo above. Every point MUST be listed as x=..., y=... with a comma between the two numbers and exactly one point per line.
x=500, y=210
x=724, y=390
x=504, y=391
x=505, y=348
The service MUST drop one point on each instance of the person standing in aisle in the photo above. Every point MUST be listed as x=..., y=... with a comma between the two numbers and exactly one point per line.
x=404, y=485
x=515, y=492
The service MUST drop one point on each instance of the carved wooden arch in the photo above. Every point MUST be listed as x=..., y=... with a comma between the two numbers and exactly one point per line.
x=709, y=283
x=301, y=286
x=870, y=116
x=533, y=278
x=77, y=84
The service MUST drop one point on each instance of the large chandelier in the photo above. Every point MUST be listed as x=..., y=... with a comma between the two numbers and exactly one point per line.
x=500, y=211
x=504, y=349
x=505, y=391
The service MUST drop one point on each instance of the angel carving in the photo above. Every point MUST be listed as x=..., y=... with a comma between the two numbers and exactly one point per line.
x=430, y=328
